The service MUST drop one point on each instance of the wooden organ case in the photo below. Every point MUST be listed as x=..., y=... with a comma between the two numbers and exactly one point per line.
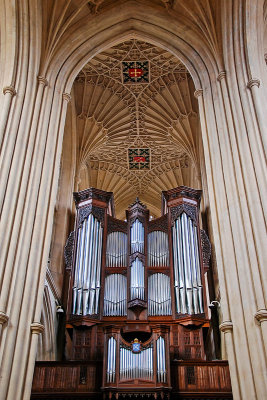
x=136, y=297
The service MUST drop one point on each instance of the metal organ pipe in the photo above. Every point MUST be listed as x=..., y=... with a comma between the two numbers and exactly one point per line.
x=136, y=365
x=186, y=264
x=137, y=280
x=137, y=237
x=159, y=295
x=116, y=253
x=161, y=360
x=115, y=295
x=88, y=267
x=111, y=360
x=158, y=249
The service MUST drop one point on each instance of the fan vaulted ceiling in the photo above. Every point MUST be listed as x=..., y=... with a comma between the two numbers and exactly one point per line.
x=137, y=121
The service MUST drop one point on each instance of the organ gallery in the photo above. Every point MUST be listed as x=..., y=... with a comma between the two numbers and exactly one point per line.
x=136, y=297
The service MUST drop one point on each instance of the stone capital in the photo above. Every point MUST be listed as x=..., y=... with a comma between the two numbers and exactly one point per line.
x=253, y=82
x=261, y=315
x=9, y=89
x=221, y=76
x=66, y=97
x=198, y=93
x=226, y=326
x=3, y=318
x=42, y=80
x=37, y=328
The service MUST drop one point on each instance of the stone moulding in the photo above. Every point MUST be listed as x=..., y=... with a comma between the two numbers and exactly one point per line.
x=226, y=326
x=253, y=82
x=37, y=328
x=261, y=315
x=9, y=89
x=3, y=317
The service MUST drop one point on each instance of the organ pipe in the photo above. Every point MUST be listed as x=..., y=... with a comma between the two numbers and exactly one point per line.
x=186, y=264
x=159, y=295
x=161, y=360
x=137, y=237
x=111, y=360
x=136, y=365
x=115, y=295
x=86, y=284
x=116, y=253
x=137, y=280
x=158, y=249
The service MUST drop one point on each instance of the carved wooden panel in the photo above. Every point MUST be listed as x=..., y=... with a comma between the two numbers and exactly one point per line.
x=205, y=247
x=159, y=224
x=191, y=211
x=116, y=225
x=69, y=250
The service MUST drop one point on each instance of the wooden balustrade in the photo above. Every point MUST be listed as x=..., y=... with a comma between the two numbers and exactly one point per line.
x=67, y=377
x=78, y=378
x=201, y=377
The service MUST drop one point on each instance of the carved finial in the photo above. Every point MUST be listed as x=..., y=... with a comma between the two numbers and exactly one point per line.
x=137, y=201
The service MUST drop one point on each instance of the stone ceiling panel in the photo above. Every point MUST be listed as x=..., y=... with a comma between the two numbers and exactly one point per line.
x=131, y=97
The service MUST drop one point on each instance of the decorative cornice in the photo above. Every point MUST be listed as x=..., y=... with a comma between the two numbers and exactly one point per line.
x=261, y=315
x=221, y=76
x=92, y=193
x=66, y=97
x=9, y=89
x=198, y=93
x=37, y=328
x=183, y=191
x=226, y=326
x=253, y=82
x=3, y=317
x=42, y=80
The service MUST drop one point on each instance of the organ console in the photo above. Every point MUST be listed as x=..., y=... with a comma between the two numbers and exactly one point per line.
x=136, y=295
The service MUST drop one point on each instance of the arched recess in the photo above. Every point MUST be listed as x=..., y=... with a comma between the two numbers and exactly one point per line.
x=231, y=203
